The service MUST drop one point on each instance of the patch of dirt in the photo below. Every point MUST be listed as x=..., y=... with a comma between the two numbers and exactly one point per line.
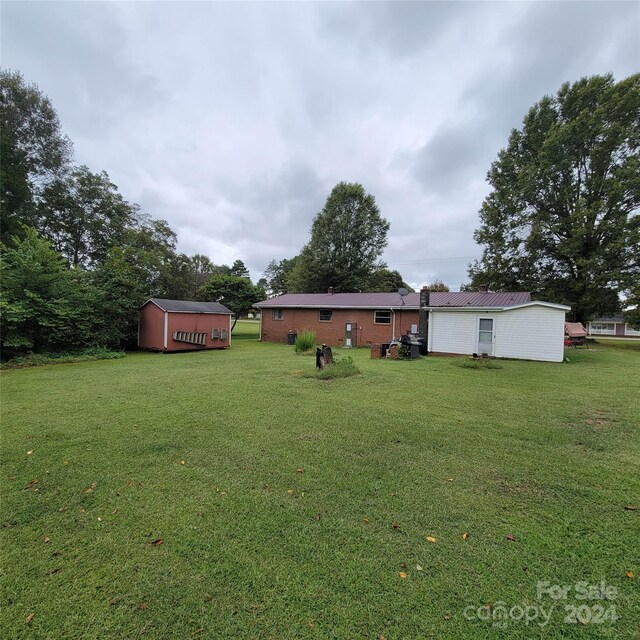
x=599, y=418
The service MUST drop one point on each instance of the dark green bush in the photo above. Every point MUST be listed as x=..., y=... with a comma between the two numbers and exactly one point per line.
x=39, y=359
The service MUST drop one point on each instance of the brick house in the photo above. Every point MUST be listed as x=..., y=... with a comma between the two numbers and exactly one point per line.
x=340, y=319
x=502, y=324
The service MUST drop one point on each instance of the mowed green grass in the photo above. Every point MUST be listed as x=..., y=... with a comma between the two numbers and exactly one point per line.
x=205, y=451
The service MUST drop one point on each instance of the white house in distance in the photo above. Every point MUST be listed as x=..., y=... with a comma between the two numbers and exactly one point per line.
x=504, y=325
x=612, y=326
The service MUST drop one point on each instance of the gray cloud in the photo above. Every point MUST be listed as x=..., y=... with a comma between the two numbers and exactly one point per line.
x=233, y=121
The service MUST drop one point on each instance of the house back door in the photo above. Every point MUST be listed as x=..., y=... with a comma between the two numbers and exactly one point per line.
x=350, y=334
x=486, y=335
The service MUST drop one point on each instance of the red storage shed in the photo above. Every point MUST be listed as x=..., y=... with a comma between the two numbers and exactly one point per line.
x=183, y=325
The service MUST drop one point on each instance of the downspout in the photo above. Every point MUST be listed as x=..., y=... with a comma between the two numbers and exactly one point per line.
x=229, y=325
x=393, y=325
x=430, y=333
x=424, y=317
x=260, y=338
x=166, y=330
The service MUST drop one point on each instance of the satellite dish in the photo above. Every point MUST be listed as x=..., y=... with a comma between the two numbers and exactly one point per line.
x=403, y=292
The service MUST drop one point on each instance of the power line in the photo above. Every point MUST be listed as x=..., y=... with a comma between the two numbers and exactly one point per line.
x=435, y=261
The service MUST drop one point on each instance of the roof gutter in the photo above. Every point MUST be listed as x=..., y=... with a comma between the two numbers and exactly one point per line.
x=534, y=303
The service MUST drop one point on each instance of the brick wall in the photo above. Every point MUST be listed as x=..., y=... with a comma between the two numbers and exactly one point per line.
x=333, y=332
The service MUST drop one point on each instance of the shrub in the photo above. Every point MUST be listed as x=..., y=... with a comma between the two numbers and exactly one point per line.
x=39, y=359
x=305, y=341
x=342, y=368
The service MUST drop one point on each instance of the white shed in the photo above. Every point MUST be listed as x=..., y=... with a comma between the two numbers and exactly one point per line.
x=529, y=331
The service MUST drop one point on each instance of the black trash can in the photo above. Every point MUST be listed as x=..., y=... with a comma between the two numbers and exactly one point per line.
x=291, y=337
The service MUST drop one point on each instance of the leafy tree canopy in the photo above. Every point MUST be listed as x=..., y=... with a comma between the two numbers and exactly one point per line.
x=562, y=218
x=277, y=276
x=234, y=292
x=632, y=312
x=385, y=280
x=437, y=285
x=44, y=305
x=32, y=146
x=347, y=238
x=84, y=215
x=239, y=269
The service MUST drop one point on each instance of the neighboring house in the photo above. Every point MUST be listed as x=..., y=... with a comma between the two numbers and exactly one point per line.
x=339, y=319
x=611, y=326
x=183, y=325
x=505, y=325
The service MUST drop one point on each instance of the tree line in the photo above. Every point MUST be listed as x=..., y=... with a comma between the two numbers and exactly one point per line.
x=77, y=259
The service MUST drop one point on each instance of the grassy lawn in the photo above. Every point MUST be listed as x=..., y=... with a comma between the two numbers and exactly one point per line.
x=222, y=495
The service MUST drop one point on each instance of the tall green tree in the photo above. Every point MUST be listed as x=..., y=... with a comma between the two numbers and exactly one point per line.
x=84, y=215
x=238, y=268
x=632, y=310
x=144, y=266
x=385, y=280
x=34, y=149
x=234, y=292
x=437, y=285
x=44, y=305
x=277, y=276
x=562, y=217
x=347, y=238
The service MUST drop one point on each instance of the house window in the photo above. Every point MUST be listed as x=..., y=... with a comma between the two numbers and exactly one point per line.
x=277, y=314
x=326, y=315
x=382, y=317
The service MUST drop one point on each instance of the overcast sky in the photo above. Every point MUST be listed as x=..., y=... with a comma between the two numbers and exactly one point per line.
x=233, y=121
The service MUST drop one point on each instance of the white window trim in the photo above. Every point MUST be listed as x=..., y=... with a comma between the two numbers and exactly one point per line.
x=386, y=324
x=273, y=314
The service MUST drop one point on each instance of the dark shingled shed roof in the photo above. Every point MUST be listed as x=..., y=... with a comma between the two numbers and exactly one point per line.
x=189, y=306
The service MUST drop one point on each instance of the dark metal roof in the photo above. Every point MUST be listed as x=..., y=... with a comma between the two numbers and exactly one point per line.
x=342, y=300
x=387, y=300
x=478, y=298
x=189, y=306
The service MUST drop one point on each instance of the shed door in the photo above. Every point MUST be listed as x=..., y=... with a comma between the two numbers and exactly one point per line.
x=486, y=335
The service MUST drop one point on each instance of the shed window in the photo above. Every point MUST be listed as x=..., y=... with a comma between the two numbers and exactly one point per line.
x=382, y=317
x=277, y=314
x=326, y=315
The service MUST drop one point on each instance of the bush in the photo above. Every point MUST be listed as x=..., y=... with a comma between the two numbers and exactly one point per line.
x=305, y=341
x=39, y=359
x=342, y=368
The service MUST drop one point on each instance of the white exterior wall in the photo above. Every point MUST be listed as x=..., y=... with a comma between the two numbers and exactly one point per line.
x=529, y=333
x=453, y=332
